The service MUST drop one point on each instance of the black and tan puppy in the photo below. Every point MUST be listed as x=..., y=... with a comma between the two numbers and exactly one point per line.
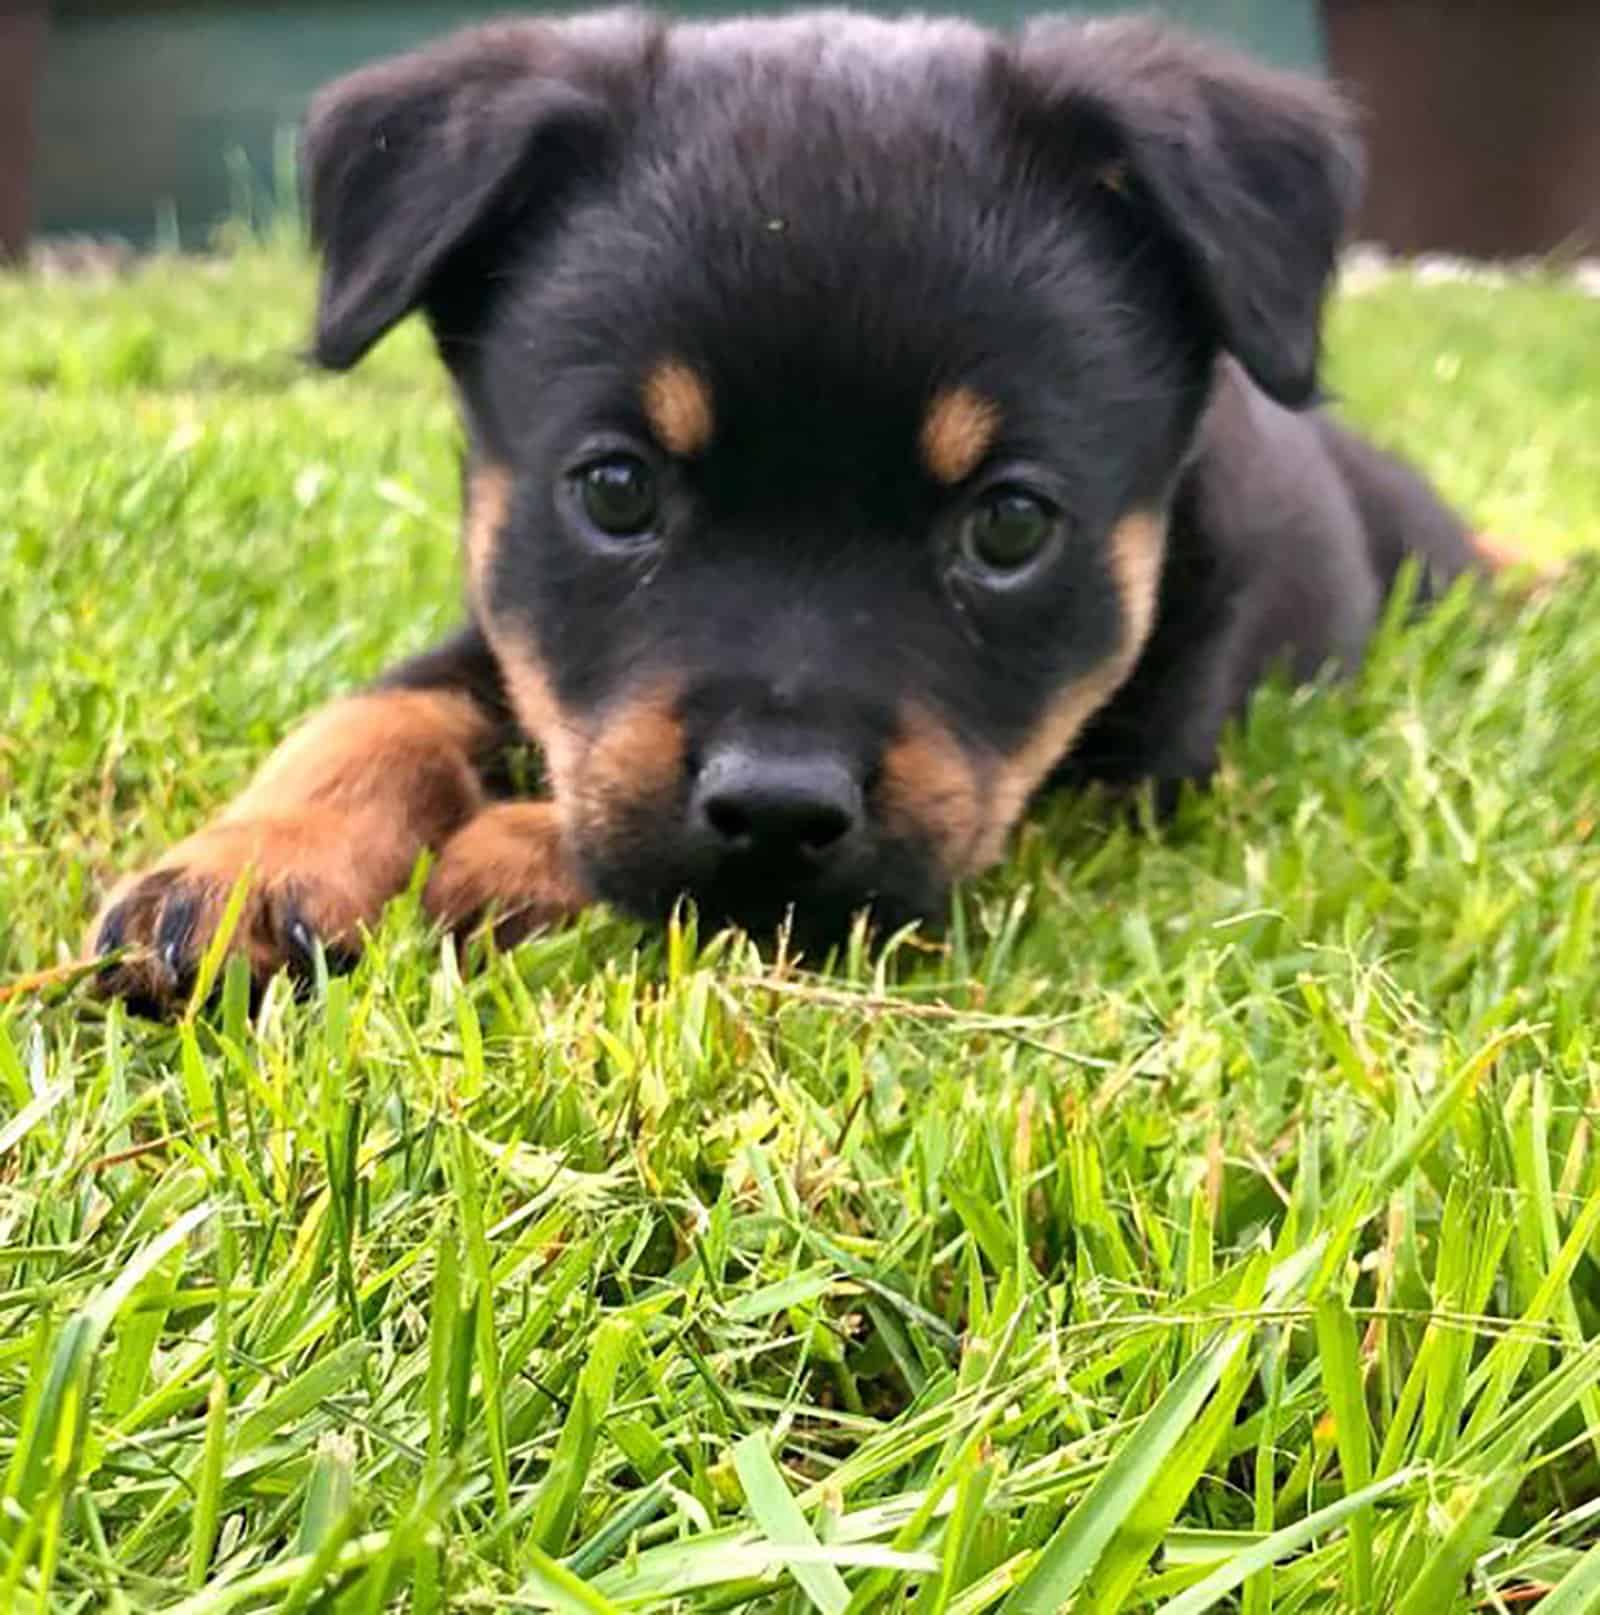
x=869, y=423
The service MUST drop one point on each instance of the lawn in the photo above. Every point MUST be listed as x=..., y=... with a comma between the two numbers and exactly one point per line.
x=1211, y=1220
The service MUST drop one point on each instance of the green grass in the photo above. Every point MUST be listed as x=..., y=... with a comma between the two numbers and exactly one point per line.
x=1213, y=1221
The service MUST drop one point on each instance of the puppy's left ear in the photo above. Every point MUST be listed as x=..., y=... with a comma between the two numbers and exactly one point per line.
x=1252, y=173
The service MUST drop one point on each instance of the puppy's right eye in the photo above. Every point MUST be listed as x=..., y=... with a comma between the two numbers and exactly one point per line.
x=1008, y=529
x=619, y=496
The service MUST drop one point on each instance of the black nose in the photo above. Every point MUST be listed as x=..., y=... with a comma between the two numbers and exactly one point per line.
x=777, y=805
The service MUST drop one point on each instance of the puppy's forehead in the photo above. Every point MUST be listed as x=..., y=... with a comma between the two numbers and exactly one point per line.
x=771, y=101
x=798, y=201
x=845, y=46
x=819, y=249
x=799, y=133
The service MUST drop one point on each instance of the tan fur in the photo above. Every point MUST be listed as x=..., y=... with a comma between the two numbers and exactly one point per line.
x=1138, y=551
x=560, y=737
x=510, y=859
x=407, y=751
x=488, y=505
x=533, y=701
x=934, y=790
x=514, y=857
x=929, y=791
x=328, y=831
x=957, y=432
x=635, y=758
x=677, y=404
x=1137, y=548
x=1499, y=554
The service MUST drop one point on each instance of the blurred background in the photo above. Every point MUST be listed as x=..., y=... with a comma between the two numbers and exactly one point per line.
x=154, y=121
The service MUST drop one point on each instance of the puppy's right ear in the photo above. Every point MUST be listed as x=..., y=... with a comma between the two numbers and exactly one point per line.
x=422, y=171
x=1250, y=173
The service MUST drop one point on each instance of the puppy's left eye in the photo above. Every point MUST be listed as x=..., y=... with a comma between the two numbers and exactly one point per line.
x=619, y=495
x=1009, y=528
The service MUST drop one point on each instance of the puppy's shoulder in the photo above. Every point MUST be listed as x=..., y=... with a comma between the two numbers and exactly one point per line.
x=1261, y=480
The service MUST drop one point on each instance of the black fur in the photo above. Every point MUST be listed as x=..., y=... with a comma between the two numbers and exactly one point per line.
x=1252, y=172
x=1118, y=235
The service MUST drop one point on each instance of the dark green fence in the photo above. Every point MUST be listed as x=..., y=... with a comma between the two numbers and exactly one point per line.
x=161, y=119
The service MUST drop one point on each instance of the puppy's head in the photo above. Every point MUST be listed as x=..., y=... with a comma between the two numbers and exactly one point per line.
x=826, y=381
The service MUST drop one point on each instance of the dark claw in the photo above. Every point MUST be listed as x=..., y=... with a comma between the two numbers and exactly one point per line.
x=300, y=941
x=113, y=930
x=175, y=938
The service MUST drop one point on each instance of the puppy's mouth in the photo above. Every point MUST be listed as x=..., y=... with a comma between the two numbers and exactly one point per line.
x=765, y=894
x=763, y=827
x=764, y=902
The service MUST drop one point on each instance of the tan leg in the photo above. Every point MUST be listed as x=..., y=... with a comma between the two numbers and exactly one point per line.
x=329, y=831
x=508, y=862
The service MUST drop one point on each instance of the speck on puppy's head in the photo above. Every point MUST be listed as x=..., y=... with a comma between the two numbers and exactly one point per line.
x=825, y=382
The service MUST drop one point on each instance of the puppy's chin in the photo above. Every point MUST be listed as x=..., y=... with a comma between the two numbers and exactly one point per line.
x=814, y=914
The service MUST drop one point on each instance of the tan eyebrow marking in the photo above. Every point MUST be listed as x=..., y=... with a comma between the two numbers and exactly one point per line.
x=957, y=432
x=677, y=404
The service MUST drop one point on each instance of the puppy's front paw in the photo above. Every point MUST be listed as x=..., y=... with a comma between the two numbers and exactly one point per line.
x=506, y=862
x=314, y=876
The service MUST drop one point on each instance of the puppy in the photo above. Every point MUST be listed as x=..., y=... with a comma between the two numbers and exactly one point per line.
x=868, y=424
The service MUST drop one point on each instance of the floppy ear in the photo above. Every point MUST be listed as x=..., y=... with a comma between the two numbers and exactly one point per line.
x=1252, y=173
x=421, y=170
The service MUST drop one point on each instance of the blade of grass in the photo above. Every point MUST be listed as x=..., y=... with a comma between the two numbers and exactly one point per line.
x=1478, y=1510
x=1289, y=1539
x=1339, y=1354
x=1578, y=1592
x=1072, y=1554
x=548, y=1584
x=556, y=1505
x=774, y=1509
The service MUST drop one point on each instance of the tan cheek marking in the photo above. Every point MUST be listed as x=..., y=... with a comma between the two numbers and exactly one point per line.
x=488, y=506
x=928, y=790
x=677, y=404
x=1136, y=551
x=538, y=712
x=636, y=755
x=957, y=432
